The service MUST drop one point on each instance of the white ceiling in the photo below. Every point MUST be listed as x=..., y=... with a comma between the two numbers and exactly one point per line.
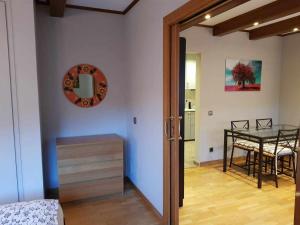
x=118, y=5
x=239, y=10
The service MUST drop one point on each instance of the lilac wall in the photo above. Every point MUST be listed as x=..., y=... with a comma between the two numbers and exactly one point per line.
x=80, y=37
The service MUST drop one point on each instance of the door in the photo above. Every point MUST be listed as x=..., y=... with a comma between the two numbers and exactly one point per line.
x=182, y=115
x=8, y=172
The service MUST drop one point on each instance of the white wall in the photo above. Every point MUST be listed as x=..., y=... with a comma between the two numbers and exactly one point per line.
x=80, y=37
x=9, y=181
x=144, y=28
x=229, y=106
x=21, y=29
x=290, y=81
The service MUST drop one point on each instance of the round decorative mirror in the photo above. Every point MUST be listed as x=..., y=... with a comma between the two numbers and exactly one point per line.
x=85, y=85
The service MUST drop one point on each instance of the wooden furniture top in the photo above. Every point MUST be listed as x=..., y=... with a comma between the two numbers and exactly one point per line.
x=81, y=140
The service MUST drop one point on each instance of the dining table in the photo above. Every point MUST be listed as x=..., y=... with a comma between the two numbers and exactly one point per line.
x=260, y=136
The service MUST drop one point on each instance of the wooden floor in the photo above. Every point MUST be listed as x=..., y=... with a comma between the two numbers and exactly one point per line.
x=127, y=210
x=211, y=198
x=215, y=198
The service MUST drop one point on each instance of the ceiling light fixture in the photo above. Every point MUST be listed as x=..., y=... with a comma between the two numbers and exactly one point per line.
x=256, y=23
x=296, y=29
x=207, y=16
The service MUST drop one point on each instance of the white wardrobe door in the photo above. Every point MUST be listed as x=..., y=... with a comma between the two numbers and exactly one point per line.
x=8, y=176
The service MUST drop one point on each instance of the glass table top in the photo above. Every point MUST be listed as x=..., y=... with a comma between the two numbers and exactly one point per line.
x=263, y=132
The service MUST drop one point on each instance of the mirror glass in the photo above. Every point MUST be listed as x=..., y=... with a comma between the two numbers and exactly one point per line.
x=84, y=86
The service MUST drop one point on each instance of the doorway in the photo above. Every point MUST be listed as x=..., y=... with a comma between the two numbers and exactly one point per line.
x=173, y=24
x=192, y=110
x=189, y=104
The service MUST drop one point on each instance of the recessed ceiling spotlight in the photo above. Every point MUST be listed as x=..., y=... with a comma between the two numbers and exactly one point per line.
x=256, y=23
x=296, y=29
x=207, y=16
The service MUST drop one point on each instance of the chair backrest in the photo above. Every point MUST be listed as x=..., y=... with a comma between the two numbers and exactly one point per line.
x=239, y=124
x=287, y=139
x=264, y=123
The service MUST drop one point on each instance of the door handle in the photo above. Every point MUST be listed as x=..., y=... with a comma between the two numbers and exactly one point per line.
x=297, y=194
x=179, y=127
x=168, y=129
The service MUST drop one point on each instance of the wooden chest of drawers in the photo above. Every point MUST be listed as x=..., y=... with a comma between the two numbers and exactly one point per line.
x=90, y=166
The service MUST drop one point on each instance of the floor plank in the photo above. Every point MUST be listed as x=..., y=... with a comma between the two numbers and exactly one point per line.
x=216, y=198
x=127, y=210
x=211, y=198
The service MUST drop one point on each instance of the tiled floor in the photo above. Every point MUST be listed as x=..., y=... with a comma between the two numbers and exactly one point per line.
x=189, y=154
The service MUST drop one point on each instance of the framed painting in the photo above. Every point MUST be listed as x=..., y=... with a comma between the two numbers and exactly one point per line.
x=243, y=75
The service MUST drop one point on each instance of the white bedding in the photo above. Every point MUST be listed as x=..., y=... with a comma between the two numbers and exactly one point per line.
x=39, y=212
x=60, y=216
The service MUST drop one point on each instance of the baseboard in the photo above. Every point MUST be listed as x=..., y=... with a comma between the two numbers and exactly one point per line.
x=196, y=163
x=145, y=200
x=218, y=161
x=212, y=162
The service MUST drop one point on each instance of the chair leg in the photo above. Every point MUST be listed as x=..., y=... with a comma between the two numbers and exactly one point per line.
x=294, y=167
x=231, y=158
x=254, y=163
x=276, y=171
x=282, y=163
x=266, y=164
x=290, y=160
x=249, y=162
x=272, y=166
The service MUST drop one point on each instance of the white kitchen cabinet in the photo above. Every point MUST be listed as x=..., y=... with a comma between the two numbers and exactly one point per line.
x=189, y=125
x=190, y=74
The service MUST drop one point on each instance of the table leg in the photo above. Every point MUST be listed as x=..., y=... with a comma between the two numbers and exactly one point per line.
x=225, y=152
x=260, y=158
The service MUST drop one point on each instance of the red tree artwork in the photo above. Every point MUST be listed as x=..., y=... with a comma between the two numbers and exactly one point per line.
x=243, y=73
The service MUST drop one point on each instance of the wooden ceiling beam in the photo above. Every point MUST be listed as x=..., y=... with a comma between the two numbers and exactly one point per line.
x=290, y=33
x=57, y=8
x=275, y=29
x=266, y=13
x=212, y=12
x=131, y=5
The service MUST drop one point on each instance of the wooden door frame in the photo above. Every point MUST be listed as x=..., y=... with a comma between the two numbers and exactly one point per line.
x=171, y=29
x=172, y=25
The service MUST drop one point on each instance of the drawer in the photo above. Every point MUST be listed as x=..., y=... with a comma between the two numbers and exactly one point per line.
x=117, y=156
x=96, y=188
x=86, y=151
x=89, y=175
x=90, y=167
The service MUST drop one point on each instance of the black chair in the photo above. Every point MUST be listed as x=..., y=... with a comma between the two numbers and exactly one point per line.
x=245, y=145
x=285, y=145
x=264, y=123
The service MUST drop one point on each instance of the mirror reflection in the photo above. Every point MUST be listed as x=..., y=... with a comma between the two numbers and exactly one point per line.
x=84, y=86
